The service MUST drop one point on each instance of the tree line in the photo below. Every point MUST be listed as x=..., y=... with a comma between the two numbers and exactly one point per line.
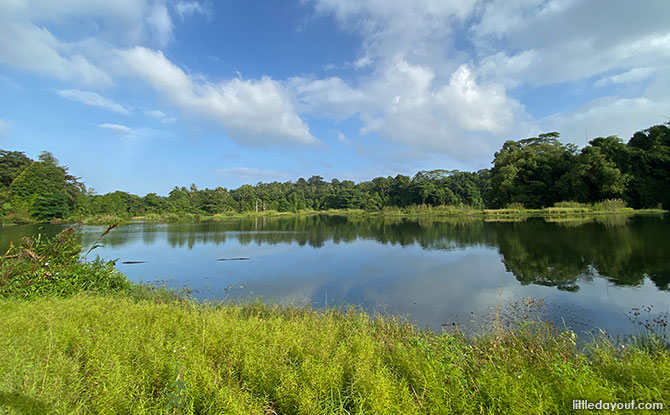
x=533, y=172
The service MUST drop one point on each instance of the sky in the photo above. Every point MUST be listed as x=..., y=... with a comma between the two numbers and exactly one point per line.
x=145, y=95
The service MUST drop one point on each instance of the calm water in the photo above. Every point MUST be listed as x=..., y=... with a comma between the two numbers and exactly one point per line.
x=589, y=273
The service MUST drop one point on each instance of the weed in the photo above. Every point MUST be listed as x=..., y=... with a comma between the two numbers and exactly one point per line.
x=42, y=266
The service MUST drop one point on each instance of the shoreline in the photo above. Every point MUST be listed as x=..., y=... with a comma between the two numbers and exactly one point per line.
x=411, y=212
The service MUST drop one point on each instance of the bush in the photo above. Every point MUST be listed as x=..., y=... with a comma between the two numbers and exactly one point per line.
x=54, y=267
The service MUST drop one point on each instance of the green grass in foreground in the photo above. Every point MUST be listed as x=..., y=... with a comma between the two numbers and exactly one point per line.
x=95, y=354
x=100, y=346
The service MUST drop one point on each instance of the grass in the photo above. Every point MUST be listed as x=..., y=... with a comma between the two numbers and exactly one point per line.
x=107, y=346
x=110, y=354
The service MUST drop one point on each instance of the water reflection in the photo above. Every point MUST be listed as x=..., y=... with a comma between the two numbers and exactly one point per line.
x=551, y=253
x=434, y=271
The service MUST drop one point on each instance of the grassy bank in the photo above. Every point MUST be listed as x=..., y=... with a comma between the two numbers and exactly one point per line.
x=514, y=210
x=561, y=210
x=79, y=338
x=96, y=354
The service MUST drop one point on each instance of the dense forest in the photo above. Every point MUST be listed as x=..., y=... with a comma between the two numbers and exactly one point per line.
x=533, y=172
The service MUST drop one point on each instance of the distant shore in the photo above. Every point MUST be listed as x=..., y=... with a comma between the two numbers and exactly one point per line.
x=408, y=212
x=557, y=213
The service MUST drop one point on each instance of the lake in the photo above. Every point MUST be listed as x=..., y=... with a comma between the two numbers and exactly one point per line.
x=586, y=273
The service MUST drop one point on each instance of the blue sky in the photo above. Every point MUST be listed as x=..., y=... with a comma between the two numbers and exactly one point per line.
x=143, y=95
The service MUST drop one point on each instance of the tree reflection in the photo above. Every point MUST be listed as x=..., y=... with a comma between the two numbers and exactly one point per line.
x=555, y=252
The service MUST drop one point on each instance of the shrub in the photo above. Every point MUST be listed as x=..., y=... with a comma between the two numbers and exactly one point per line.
x=55, y=267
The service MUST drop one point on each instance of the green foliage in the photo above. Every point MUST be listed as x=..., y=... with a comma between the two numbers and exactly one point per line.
x=50, y=206
x=118, y=355
x=650, y=167
x=595, y=177
x=38, y=179
x=43, y=189
x=11, y=165
x=54, y=267
x=527, y=171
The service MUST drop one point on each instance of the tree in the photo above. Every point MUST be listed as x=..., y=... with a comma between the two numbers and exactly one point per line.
x=179, y=200
x=47, y=207
x=38, y=179
x=594, y=177
x=11, y=165
x=650, y=167
x=526, y=171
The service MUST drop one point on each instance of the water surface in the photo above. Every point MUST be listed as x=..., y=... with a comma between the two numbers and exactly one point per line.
x=589, y=272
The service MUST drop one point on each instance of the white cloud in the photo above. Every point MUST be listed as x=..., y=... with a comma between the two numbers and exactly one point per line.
x=331, y=97
x=4, y=126
x=628, y=77
x=542, y=42
x=425, y=89
x=189, y=8
x=406, y=103
x=392, y=27
x=160, y=115
x=93, y=99
x=362, y=62
x=608, y=116
x=501, y=17
x=33, y=48
x=254, y=112
x=160, y=23
x=27, y=39
x=433, y=75
x=414, y=93
x=568, y=41
x=119, y=129
x=252, y=174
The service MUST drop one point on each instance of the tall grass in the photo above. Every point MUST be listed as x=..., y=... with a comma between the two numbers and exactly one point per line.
x=93, y=354
x=611, y=205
